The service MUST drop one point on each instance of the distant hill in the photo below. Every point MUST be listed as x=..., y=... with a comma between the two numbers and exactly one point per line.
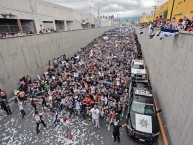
x=131, y=19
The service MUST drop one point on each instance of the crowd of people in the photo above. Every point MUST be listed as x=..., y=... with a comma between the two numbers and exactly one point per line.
x=93, y=84
x=27, y=33
x=184, y=24
x=14, y=34
x=168, y=28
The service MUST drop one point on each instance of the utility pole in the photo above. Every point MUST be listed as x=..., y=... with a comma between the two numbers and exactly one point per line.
x=98, y=9
x=98, y=6
x=119, y=21
x=90, y=16
x=155, y=7
x=172, y=9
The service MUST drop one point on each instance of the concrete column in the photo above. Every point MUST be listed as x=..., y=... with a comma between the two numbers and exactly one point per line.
x=54, y=25
x=34, y=25
x=65, y=25
x=19, y=25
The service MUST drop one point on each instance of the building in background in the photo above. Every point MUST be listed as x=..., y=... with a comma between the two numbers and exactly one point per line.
x=36, y=15
x=181, y=8
x=145, y=18
x=102, y=22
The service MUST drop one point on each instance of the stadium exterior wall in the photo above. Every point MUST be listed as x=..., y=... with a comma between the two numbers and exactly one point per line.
x=29, y=55
x=170, y=67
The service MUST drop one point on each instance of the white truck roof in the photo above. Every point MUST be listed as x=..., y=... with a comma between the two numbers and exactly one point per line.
x=136, y=61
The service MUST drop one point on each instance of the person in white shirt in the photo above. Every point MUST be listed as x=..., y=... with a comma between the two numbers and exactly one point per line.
x=93, y=88
x=151, y=30
x=106, y=100
x=77, y=57
x=20, y=104
x=38, y=119
x=77, y=107
x=63, y=102
x=50, y=99
x=118, y=81
x=67, y=126
x=95, y=116
x=123, y=101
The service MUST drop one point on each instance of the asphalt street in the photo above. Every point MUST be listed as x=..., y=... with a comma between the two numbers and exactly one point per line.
x=17, y=131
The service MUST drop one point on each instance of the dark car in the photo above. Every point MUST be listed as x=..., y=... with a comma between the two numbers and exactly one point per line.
x=141, y=117
x=135, y=84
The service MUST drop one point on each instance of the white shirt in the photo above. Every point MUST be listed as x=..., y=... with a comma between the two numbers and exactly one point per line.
x=77, y=106
x=37, y=118
x=50, y=98
x=81, y=62
x=93, y=90
x=99, y=73
x=77, y=57
x=75, y=75
x=66, y=124
x=63, y=101
x=95, y=113
x=20, y=106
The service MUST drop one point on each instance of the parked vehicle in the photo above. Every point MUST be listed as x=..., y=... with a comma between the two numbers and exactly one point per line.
x=135, y=83
x=141, y=117
x=138, y=70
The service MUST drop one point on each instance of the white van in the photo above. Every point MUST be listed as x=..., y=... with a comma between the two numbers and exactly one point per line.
x=138, y=70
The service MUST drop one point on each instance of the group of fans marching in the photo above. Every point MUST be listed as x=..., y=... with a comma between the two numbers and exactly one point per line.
x=92, y=84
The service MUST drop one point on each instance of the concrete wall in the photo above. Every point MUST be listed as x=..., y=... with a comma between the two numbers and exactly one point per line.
x=23, y=56
x=40, y=11
x=170, y=64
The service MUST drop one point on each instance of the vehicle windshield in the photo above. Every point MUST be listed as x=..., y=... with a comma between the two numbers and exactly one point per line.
x=142, y=108
x=138, y=66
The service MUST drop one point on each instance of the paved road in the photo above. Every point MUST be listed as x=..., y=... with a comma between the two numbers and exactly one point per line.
x=15, y=131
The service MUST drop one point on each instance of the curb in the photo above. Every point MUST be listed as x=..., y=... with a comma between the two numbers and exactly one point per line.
x=165, y=137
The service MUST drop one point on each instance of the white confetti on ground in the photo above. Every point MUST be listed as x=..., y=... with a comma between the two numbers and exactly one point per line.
x=20, y=132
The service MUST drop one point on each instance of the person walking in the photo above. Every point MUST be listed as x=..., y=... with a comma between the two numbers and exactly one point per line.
x=71, y=108
x=20, y=104
x=43, y=100
x=67, y=126
x=84, y=110
x=5, y=107
x=38, y=119
x=33, y=103
x=116, y=132
x=95, y=116
x=3, y=94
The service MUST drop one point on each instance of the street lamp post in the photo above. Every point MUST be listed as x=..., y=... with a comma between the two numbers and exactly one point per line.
x=90, y=17
x=98, y=10
x=119, y=21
